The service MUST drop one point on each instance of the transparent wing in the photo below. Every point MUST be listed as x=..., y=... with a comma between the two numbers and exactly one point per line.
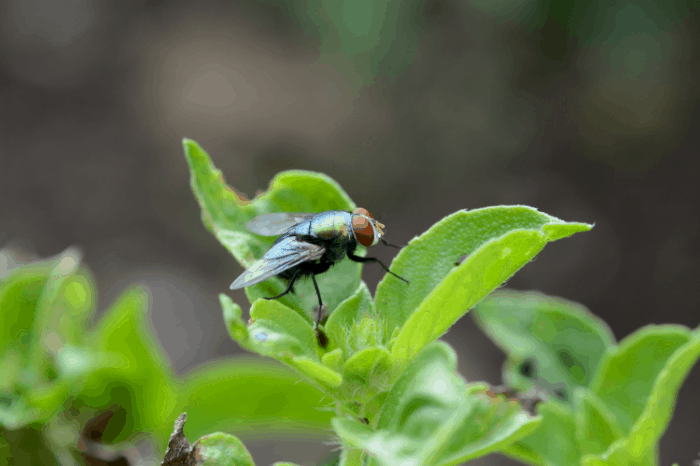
x=275, y=224
x=282, y=256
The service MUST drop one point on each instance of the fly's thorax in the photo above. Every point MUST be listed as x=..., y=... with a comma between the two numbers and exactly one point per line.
x=332, y=226
x=366, y=230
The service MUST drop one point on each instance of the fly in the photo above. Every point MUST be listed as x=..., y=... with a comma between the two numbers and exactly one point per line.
x=309, y=245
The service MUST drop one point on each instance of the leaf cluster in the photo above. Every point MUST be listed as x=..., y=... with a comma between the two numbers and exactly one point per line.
x=72, y=389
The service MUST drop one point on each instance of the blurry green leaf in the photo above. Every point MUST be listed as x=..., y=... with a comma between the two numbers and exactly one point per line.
x=25, y=446
x=639, y=385
x=20, y=292
x=143, y=384
x=627, y=376
x=658, y=410
x=561, y=341
x=233, y=318
x=46, y=334
x=596, y=429
x=46, y=304
x=252, y=397
x=553, y=443
x=226, y=213
x=221, y=449
x=429, y=418
x=619, y=454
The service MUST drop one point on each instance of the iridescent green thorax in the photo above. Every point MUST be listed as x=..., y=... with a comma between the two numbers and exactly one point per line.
x=331, y=225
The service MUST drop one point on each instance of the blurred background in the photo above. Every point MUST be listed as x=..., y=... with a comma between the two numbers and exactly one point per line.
x=588, y=111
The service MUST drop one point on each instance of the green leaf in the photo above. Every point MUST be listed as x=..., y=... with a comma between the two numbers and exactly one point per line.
x=561, y=341
x=553, y=443
x=431, y=418
x=279, y=332
x=367, y=373
x=19, y=294
x=627, y=376
x=619, y=453
x=143, y=384
x=252, y=397
x=327, y=378
x=26, y=446
x=340, y=323
x=650, y=367
x=45, y=305
x=47, y=336
x=438, y=354
x=431, y=258
x=596, y=429
x=654, y=420
x=221, y=449
x=334, y=359
x=233, y=318
x=226, y=213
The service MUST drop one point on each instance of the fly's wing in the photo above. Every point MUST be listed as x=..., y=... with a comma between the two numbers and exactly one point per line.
x=282, y=256
x=275, y=224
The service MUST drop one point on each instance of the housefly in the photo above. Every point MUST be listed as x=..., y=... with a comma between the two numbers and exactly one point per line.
x=309, y=245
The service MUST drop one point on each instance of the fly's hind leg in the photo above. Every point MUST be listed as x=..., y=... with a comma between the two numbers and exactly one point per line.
x=320, y=302
x=290, y=287
x=320, y=336
x=363, y=260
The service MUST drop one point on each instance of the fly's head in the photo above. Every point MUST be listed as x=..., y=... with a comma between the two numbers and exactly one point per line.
x=365, y=228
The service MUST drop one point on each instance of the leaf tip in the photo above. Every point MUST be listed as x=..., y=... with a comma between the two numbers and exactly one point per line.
x=556, y=231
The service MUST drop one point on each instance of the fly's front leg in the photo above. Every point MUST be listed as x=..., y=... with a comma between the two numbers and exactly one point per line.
x=364, y=260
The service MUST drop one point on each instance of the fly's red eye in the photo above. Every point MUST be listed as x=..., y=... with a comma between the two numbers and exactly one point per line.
x=363, y=230
x=362, y=211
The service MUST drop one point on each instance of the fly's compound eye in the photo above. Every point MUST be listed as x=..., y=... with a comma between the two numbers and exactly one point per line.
x=363, y=229
x=362, y=211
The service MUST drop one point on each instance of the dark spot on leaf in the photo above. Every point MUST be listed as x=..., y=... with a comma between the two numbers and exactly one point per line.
x=461, y=259
x=528, y=369
x=575, y=367
x=561, y=393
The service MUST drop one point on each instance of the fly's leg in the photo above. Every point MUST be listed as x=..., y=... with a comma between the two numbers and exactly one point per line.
x=320, y=303
x=363, y=260
x=290, y=287
x=320, y=336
